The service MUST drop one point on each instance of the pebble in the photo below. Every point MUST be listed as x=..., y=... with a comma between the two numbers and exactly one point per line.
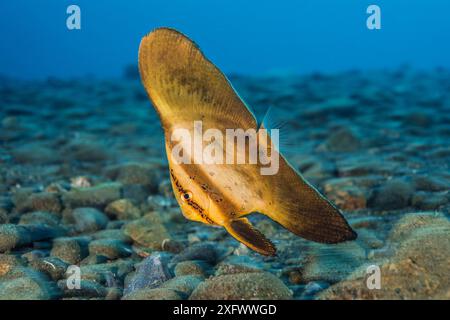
x=8, y=262
x=153, y=294
x=3, y=216
x=33, y=153
x=394, y=194
x=240, y=286
x=150, y=273
x=43, y=201
x=89, y=220
x=237, y=264
x=343, y=140
x=183, y=284
x=185, y=268
x=429, y=201
x=13, y=236
x=54, y=267
x=98, y=196
x=108, y=274
x=172, y=246
x=312, y=288
x=40, y=217
x=114, y=293
x=94, y=259
x=87, y=289
x=110, y=248
x=123, y=209
x=201, y=251
x=417, y=269
x=27, y=284
x=332, y=263
x=135, y=173
x=112, y=234
x=430, y=183
x=147, y=231
x=83, y=149
x=347, y=198
x=70, y=250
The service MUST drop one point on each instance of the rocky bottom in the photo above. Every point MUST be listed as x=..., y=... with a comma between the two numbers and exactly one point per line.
x=84, y=190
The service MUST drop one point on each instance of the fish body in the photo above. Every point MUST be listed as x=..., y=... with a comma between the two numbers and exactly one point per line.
x=185, y=87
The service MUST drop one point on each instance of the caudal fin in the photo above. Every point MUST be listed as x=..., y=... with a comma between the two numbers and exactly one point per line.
x=301, y=209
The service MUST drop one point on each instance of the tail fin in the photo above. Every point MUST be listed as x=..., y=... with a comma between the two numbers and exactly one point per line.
x=301, y=209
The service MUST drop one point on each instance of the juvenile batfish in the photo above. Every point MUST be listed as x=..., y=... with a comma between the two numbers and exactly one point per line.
x=185, y=87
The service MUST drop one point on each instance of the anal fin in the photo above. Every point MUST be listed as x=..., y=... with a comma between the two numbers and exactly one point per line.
x=242, y=230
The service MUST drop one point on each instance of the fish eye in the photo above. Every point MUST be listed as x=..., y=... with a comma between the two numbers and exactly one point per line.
x=186, y=196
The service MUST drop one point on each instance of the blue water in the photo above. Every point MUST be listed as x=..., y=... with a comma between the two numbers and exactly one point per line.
x=247, y=37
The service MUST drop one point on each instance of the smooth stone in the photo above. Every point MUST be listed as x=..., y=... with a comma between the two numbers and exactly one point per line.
x=40, y=217
x=84, y=149
x=94, y=259
x=185, y=268
x=332, y=263
x=412, y=222
x=369, y=239
x=150, y=273
x=33, y=255
x=148, y=231
x=88, y=289
x=172, y=246
x=110, y=248
x=123, y=209
x=23, y=283
x=98, y=196
x=370, y=222
x=394, y=194
x=109, y=274
x=430, y=183
x=3, y=216
x=315, y=169
x=70, y=250
x=114, y=293
x=34, y=153
x=54, y=267
x=135, y=173
x=358, y=167
x=165, y=188
x=13, y=236
x=183, y=284
x=153, y=294
x=89, y=219
x=112, y=234
x=43, y=201
x=137, y=192
x=418, y=269
x=201, y=251
x=429, y=201
x=237, y=264
x=260, y=285
x=343, y=140
x=312, y=288
x=8, y=262
x=348, y=197
x=159, y=203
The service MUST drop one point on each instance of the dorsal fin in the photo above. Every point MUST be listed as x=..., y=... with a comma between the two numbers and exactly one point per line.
x=185, y=86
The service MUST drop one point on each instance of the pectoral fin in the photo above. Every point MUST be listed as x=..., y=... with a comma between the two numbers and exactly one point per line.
x=242, y=230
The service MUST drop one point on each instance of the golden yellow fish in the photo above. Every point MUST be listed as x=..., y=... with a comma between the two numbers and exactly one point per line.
x=184, y=86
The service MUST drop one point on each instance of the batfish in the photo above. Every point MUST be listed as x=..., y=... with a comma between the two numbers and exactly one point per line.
x=184, y=86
